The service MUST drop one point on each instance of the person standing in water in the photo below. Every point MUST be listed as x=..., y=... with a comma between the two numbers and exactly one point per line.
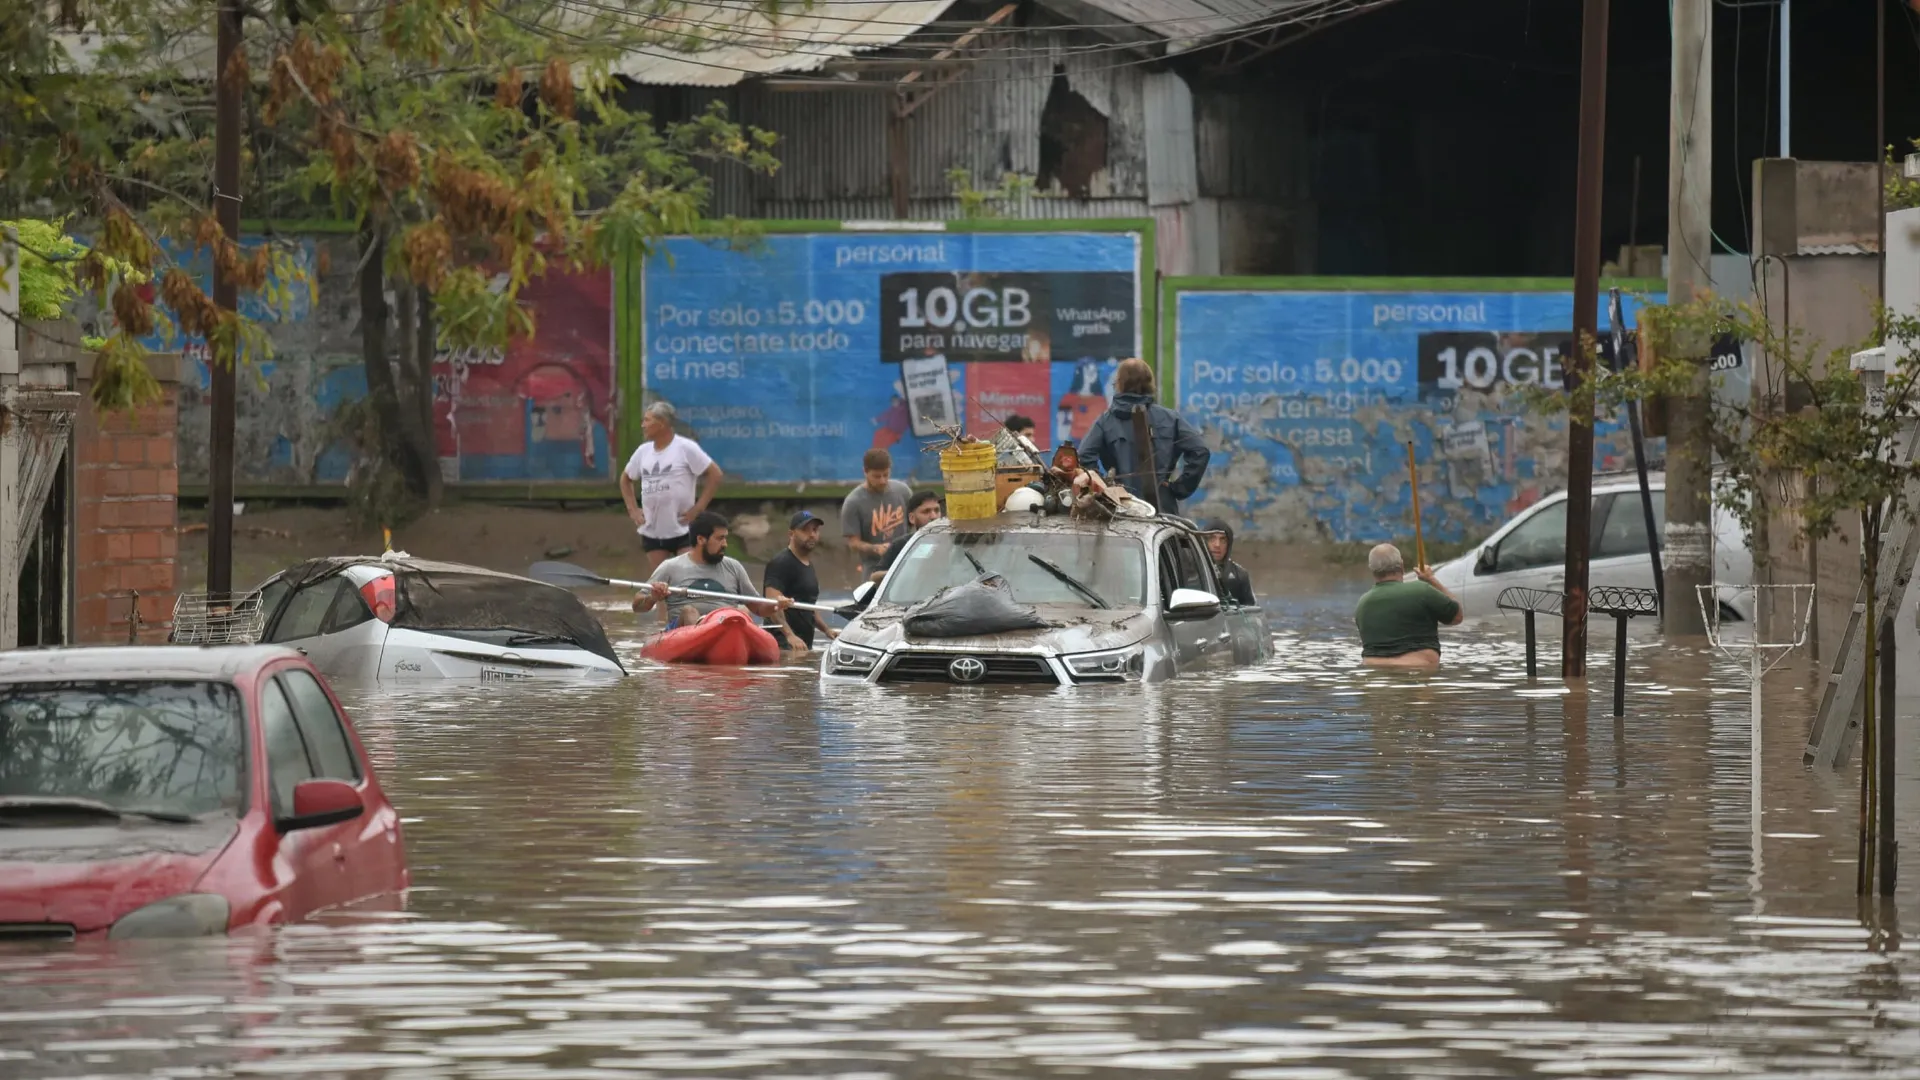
x=1400, y=620
x=874, y=514
x=705, y=566
x=922, y=510
x=667, y=467
x=1236, y=585
x=1180, y=456
x=790, y=575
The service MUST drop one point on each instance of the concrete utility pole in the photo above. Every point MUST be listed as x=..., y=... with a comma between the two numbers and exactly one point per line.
x=1689, y=529
x=1586, y=326
x=226, y=295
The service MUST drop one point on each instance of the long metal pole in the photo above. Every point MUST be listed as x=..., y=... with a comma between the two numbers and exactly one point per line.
x=1586, y=318
x=1756, y=674
x=1889, y=840
x=226, y=295
x=1616, y=314
x=1869, y=728
x=1786, y=78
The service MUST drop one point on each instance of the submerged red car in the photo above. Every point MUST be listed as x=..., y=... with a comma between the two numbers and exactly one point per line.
x=175, y=791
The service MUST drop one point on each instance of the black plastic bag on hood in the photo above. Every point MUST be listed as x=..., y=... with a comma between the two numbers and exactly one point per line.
x=981, y=606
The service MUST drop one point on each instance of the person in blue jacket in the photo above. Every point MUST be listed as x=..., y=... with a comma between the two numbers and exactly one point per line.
x=1179, y=455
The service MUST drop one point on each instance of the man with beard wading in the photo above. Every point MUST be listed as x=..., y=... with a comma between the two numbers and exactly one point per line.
x=705, y=566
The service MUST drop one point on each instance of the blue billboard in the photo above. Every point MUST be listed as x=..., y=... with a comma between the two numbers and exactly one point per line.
x=792, y=356
x=1309, y=399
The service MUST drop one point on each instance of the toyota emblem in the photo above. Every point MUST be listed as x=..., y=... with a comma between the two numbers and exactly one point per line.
x=967, y=669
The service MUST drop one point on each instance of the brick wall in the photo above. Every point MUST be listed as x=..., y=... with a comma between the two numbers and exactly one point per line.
x=127, y=519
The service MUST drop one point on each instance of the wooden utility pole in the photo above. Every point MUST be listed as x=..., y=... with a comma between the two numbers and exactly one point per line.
x=226, y=295
x=1586, y=325
x=1689, y=528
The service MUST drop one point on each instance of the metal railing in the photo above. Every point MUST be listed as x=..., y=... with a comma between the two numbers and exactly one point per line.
x=217, y=619
x=1621, y=602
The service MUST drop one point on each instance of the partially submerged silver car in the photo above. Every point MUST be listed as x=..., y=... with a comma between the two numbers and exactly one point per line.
x=394, y=617
x=1142, y=604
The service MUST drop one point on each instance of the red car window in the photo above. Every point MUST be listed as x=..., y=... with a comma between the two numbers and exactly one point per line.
x=287, y=759
x=321, y=729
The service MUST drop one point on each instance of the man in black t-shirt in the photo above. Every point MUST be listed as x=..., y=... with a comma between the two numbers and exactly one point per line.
x=790, y=574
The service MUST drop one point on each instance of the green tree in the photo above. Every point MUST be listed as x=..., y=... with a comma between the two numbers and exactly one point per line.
x=475, y=144
x=1810, y=417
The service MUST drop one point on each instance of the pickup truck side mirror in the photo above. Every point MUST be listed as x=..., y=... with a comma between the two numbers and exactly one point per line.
x=1489, y=558
x=1191, y=603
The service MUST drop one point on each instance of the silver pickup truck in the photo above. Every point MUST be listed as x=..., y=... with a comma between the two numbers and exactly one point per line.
x=1126, y=600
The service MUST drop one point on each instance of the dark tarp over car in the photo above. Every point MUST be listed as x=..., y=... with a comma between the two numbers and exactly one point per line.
x=451, y=596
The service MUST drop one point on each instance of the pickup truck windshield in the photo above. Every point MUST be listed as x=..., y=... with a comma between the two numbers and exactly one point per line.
x=1112, y=566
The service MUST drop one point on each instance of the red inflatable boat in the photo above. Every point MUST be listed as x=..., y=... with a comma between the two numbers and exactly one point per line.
x=726, y=637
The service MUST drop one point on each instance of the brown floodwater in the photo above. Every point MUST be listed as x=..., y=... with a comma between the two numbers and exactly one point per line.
x=1304, y=871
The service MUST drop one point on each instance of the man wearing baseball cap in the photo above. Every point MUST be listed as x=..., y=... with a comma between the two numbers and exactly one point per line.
x=790, y=574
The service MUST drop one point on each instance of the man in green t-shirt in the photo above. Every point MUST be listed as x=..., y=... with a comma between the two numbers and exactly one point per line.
x=1400, y=620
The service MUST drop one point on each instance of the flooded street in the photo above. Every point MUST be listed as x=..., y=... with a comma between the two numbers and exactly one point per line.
x=1303, y=871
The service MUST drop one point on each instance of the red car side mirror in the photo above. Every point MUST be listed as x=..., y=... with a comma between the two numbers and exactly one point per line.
x=322, y=802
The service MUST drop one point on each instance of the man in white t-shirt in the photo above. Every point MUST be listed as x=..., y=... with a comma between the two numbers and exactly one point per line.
x=668, y=468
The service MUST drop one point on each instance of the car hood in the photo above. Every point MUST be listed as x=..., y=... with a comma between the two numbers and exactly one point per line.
x=1074, y=629
x=1455, y=573
x=88, y=876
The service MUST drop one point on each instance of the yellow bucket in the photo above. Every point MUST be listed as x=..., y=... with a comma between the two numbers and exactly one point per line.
x=968, y=472
x=971, y=505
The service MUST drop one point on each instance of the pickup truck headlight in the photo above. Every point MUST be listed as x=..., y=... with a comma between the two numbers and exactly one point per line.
x=1113, y=664
x=852, y=659
x=186, y=915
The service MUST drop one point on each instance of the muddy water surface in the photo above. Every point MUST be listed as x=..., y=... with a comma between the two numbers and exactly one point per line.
x=1305, y=871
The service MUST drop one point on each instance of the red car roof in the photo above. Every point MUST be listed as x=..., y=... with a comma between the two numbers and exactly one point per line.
x=212, y=662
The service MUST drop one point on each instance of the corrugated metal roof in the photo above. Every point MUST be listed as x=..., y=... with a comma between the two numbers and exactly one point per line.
x=747, y=42
x=1187, y=22
x=1837, y=249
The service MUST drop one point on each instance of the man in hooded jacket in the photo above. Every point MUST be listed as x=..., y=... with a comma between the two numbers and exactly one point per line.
x=1235, y=582
x=1176, y=444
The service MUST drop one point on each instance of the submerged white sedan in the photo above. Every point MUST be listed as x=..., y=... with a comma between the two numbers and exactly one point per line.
x=394, y=617
x=1530, y=550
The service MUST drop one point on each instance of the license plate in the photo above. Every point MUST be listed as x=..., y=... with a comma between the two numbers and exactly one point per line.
x=497, y=675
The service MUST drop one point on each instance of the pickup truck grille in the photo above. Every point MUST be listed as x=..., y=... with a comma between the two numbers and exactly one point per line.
x=938, y=668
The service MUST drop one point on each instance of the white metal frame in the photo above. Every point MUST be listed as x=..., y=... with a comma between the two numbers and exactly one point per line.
x=1759, y=664
x=206, y=619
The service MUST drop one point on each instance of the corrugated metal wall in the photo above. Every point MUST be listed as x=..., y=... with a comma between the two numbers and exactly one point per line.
x=833, y=144
x=1251, y=146
x=1231, y=168
x=1172, y=176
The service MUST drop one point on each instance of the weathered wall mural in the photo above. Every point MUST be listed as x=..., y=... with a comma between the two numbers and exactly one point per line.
x=538, y=410
x=541, y=409
x=1309, y=397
